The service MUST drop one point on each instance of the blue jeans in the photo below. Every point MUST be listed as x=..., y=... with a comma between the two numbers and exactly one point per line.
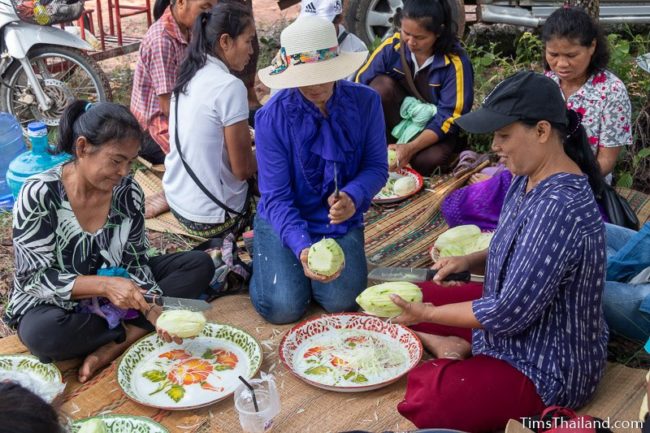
x=623, y=303
x=281, y=292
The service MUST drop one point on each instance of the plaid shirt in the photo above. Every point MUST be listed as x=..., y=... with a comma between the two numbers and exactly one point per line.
x=161, y=53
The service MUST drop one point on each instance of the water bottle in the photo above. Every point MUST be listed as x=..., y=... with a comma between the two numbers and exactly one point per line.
x=11, y=145
x=34, y=161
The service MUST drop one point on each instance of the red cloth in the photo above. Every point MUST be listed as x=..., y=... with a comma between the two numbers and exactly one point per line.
x=479, y=394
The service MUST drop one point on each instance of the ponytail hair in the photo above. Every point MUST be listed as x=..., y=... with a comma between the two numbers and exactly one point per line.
x=230, y=18
x=159, y=8
x=99, y=123
x=436, y=17
x=576, y=146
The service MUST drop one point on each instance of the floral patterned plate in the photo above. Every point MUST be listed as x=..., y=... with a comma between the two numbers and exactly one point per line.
x=350, y=352
x=123, y=424
x=387, y=196
x=197, y=373
x=44, y=380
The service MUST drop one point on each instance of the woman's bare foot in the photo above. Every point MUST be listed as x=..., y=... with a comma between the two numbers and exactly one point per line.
x=107, y=353
x=155, y=204
x=451, y=347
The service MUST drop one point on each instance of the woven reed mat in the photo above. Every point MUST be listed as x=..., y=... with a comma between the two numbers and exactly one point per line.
x=404, y=234
x=639, y=201
x=304, y=407
x=167, y=222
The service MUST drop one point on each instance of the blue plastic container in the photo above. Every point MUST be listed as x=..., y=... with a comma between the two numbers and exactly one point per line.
x=11, y=145
x=34, y=161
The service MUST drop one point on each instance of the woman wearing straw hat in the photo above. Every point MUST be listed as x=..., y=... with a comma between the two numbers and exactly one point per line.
x=321, y=152
x=426, y=62
x=539, y=337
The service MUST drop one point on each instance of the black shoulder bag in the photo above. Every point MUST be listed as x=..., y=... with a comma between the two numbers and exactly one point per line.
x=618, y=209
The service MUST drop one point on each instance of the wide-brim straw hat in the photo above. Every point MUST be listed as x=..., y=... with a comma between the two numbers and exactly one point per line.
x=310, y=55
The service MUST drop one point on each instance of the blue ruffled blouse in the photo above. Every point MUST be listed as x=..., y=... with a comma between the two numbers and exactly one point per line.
x=297, y=150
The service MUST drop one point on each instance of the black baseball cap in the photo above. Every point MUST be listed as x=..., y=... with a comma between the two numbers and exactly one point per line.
x=525, y=95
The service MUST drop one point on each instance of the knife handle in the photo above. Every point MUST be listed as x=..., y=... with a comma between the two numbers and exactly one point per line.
x=464, y=276
x=153, y=299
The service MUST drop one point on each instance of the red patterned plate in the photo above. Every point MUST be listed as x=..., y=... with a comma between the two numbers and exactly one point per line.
x=384, y=197
x=350, y=352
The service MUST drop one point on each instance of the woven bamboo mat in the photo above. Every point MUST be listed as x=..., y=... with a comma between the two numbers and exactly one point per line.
x=639, y=201
x=304, y=408
x=403, y=235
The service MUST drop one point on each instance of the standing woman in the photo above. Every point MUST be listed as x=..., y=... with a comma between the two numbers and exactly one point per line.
x=211, y=156
x=576, y=54
x=81, y=248
x=539, y=336
x=322, y=158
x=428, y=49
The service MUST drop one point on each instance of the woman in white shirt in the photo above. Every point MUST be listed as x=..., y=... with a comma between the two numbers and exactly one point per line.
x=211, y=157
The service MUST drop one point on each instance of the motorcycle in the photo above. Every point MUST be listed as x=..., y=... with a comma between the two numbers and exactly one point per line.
x=43, y=68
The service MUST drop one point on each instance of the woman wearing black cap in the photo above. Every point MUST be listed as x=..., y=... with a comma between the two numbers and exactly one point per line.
x=539, y=337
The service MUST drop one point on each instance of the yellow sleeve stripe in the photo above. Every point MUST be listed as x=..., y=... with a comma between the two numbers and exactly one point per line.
x=383, y=45
x=460, y=97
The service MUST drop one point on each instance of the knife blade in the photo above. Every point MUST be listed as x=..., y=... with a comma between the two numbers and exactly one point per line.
x=416, y=275
x=171, y=303
x=336, y=182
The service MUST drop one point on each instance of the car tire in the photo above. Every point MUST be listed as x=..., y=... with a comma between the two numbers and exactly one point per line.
x=381, y=14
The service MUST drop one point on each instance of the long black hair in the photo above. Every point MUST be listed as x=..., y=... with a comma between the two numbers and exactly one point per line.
x=574, y=24
x=229, y=18
x=22, y=411
x=159, y=8
x=436, y=17
x=577, y=147
x=99, y=123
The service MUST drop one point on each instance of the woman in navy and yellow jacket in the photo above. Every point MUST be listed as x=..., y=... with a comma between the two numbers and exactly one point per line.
x=442, y=74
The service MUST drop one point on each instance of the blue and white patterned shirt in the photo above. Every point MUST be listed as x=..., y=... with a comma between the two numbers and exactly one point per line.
x=541, y=308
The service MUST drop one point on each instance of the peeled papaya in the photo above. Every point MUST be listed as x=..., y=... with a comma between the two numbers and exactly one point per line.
x=94, y=425
x=325, y=257
x=181, y=323
x=376, y=299
x=392, y=157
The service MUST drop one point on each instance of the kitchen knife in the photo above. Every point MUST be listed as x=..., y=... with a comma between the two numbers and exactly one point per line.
x=170, y=303
x=416, y=275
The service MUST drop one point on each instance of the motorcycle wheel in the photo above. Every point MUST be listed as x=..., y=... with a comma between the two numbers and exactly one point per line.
x=64, y=73
x=373, y=20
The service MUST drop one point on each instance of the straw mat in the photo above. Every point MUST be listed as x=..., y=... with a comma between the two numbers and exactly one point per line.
x=304, y=408
x=639, y=202
x=167, y=222
x=403, y=235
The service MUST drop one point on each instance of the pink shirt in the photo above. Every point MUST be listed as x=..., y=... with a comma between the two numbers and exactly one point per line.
x=161, y=52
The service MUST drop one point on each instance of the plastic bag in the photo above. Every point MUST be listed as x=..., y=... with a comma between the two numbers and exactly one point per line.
x=47, y=12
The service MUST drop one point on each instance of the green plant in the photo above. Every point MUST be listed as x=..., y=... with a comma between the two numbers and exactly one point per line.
x=529, y=50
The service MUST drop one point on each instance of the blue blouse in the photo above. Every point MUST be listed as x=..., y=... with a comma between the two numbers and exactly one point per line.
x=297, y=149
x=541, y=308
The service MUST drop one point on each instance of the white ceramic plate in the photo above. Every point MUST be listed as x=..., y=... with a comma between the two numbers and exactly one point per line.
x=44, y=380
x=321, y=351
x=201, y=371
x=123, y=424
x=383, y=197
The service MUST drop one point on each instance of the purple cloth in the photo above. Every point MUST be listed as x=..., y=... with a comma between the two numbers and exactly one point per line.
x=103, y=307
x=478, y=204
